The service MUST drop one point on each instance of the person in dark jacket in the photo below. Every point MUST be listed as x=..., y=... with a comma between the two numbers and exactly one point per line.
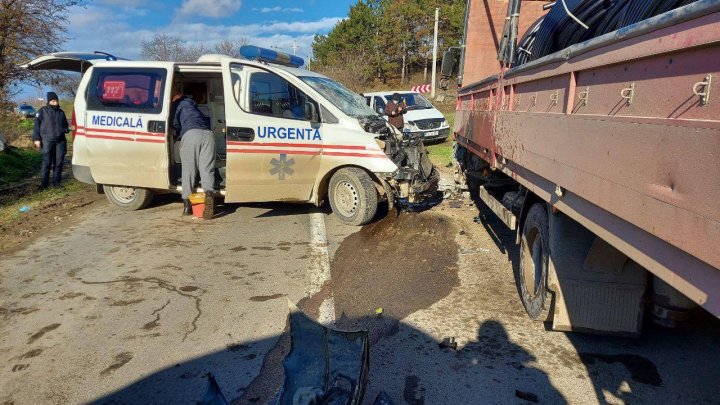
x=395, y=110
x=51, y=125
x=197, y=151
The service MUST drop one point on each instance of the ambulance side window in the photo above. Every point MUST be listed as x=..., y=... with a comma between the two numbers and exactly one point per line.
x=127, y=89
x=272, y=95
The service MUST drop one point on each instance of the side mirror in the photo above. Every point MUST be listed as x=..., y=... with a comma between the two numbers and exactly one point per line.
x=311, y=113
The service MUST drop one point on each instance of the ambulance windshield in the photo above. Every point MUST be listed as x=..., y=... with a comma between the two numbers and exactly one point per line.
x=350, y=103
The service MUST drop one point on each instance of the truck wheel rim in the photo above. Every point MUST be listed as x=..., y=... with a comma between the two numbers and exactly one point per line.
x=124, y=194
x=533, y=263
x=346, y=198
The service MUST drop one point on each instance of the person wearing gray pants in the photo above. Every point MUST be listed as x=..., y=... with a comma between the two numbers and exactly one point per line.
x=197, y=152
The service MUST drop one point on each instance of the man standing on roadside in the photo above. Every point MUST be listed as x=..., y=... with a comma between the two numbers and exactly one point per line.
x=51, y=125
x=197, y=151
x=395, y=110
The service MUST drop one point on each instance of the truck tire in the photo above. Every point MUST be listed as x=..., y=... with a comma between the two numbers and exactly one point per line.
x=532, y=272
x=353, y=196
x=128, y=198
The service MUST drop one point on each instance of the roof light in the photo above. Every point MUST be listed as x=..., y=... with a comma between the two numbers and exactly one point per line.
x=268, y=55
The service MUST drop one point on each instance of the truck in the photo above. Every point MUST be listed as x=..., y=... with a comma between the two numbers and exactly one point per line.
x=593, y=131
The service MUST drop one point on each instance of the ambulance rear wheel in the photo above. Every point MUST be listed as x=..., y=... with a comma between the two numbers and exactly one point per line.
x=128, y=198
x=353, y=196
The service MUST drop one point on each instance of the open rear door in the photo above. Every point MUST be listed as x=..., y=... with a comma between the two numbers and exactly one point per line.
x=122, y=114
x=68, y=61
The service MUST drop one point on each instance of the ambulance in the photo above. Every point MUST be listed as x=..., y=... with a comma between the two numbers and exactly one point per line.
x=282, y=133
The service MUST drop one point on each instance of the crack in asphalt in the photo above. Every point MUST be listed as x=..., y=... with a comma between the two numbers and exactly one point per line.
x=164, y=285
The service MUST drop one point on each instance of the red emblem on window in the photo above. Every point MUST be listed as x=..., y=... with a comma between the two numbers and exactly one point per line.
x=113, y=90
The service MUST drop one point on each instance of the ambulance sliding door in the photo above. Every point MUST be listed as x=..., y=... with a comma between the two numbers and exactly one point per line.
x=274, y=143
x=126, y=125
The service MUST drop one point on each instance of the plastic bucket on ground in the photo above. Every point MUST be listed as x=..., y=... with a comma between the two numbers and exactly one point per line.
x=197, y=210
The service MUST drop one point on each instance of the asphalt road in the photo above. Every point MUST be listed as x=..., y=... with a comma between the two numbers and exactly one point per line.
x=138, y=307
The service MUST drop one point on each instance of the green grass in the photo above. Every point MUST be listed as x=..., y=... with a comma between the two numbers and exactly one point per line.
x=12, y=212
x=27, y=124
x=18, y=164
x=441, y=153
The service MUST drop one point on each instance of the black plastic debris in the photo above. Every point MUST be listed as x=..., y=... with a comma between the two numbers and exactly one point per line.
x=213, y=396
x=383, y=399
x=528, y=396
x=448, y=342
x=324, y=366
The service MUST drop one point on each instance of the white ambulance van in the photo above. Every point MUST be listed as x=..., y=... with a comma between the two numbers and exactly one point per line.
x=283, y=133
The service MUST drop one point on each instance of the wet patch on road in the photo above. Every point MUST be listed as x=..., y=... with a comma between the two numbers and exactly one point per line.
x=123, y=303
x=401, y=264
x=119, y=361
x=42, y=332
x=263, y=298
x=32, y=353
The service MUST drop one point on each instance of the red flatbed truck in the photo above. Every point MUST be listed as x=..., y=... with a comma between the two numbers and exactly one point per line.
x=605, y=156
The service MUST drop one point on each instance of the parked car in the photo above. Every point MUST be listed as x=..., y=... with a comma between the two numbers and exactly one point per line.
x=421, y=118
x=26, y=111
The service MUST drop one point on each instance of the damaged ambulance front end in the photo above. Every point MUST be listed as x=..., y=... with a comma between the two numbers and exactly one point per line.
x=415, y=182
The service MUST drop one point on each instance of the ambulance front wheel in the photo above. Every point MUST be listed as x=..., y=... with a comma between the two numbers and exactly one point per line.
x=353, y=196
x=128, y=198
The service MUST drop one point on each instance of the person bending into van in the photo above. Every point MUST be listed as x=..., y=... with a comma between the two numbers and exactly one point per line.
x=395, y=110
x=197, y=151
x=51, y=125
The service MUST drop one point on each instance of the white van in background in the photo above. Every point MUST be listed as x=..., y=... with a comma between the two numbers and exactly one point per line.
x=421, y=118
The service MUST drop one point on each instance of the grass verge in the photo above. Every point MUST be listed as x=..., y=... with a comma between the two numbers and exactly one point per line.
x=12, y=212
x=441, y=153
x=18, y=164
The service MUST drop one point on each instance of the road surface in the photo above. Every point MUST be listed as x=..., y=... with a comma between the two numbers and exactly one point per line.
x=137, y=307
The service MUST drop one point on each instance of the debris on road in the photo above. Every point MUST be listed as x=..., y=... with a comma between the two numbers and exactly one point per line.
x=24, y=209
x=214, y=395
x=449, y=343
x=321, y=357
x=528, y=396
x=383, y=399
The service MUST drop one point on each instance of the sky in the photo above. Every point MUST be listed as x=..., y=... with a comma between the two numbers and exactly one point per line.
x=120, y=26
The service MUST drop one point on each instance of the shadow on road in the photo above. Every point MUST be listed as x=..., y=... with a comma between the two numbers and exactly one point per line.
x=626, y=370
x=186, y=382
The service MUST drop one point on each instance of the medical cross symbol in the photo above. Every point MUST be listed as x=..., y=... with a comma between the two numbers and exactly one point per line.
x=282, y=167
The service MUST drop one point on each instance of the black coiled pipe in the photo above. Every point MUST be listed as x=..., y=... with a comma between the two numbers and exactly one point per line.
x=557, y=30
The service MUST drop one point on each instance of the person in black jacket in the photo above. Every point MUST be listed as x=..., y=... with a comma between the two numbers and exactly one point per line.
x=51, y=125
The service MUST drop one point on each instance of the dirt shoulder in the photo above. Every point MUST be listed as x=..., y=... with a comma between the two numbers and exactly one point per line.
x=45, y=212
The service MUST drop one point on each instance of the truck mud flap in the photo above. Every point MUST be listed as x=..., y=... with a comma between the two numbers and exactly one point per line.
x=324, y=366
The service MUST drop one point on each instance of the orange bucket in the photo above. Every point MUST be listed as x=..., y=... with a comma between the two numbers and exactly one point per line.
x=198, y=209
x=197, y=200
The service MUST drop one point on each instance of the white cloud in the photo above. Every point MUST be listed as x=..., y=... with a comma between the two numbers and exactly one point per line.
x=278, y=9
x=209, y=8
x=121, y=39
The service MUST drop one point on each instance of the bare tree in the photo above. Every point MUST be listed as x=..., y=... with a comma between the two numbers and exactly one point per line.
x=171, y=48
x=29, y=28
x=163, y=47
x=230, y=47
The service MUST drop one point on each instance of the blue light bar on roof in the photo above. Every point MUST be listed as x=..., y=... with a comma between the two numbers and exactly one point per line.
x=252, y=52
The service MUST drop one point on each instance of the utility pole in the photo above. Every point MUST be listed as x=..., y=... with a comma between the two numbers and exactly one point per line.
x=295, y=47
x=434, y=66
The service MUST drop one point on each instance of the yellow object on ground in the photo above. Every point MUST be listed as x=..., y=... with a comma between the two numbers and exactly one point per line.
x=197, y=198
